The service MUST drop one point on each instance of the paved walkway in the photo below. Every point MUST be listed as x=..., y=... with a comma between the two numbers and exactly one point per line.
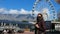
x=23, y=33
x=26, y=33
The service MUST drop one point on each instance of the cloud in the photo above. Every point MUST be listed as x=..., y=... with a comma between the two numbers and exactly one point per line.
x=15, y=11
x=27, y=12
x=36, y=12
x=22, y=11
x=2, y=10
x=11, y=11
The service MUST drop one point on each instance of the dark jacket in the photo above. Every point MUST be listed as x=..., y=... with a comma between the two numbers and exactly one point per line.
x=41, y=24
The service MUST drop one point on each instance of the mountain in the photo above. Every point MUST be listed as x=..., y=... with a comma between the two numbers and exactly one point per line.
x=16, y=17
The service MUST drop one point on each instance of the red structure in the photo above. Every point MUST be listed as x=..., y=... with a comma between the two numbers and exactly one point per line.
x=58, y=1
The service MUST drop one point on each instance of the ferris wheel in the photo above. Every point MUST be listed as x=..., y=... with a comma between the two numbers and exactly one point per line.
x=44, y=6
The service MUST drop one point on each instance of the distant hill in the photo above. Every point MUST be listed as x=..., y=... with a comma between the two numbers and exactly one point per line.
x=16, y=17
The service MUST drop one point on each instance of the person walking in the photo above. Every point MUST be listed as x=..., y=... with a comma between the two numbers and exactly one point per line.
x=40, y=25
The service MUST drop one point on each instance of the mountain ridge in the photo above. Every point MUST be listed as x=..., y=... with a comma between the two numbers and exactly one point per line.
x=16, y=17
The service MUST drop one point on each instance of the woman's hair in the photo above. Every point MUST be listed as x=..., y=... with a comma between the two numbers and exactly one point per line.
x=39, y=14
x=39, y=18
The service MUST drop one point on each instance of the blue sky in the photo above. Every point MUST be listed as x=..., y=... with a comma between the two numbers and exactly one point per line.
x=17, y=4
x=22, y=6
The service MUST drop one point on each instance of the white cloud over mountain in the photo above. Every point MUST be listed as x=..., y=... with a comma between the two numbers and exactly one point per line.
x=11, y=11
x=15, y=11
x=23, y=11
x=2, y=10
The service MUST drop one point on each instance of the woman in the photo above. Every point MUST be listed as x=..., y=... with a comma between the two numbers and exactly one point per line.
x=40, y=25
